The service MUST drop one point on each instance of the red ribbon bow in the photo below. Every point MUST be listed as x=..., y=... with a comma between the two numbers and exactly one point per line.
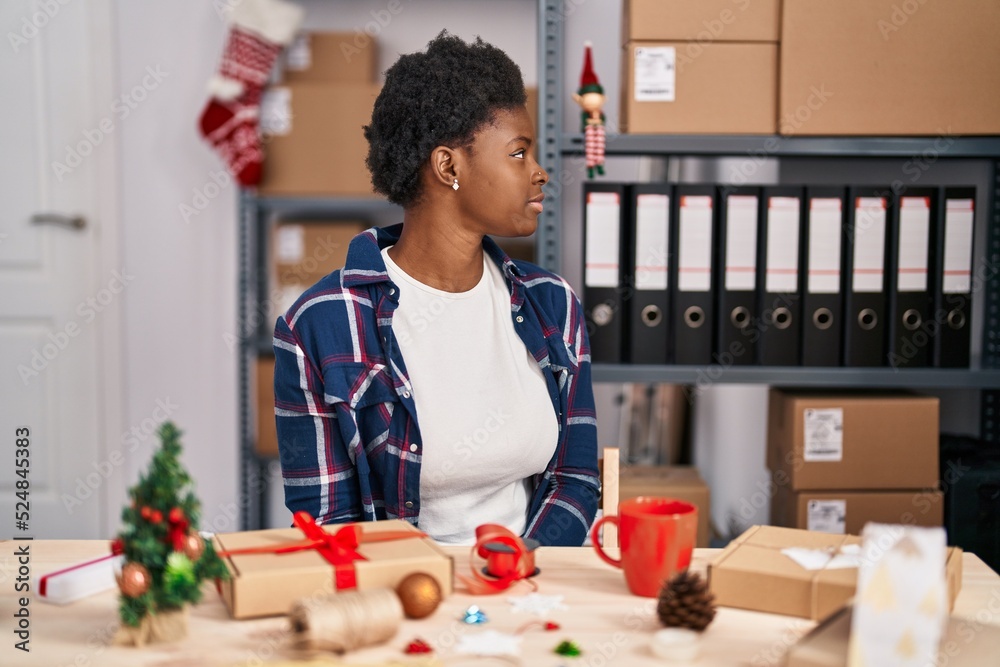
x=513, y=567
x=338, y=548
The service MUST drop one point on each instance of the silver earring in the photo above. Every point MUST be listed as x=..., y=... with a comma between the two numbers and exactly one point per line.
x=455, y=185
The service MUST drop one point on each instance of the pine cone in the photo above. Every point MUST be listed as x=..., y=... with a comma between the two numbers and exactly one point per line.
x=685, y=602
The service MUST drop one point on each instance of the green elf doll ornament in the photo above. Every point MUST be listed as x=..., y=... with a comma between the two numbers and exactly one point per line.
x=590, y=97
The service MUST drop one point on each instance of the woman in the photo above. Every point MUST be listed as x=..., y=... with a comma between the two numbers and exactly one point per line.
x=433, y=379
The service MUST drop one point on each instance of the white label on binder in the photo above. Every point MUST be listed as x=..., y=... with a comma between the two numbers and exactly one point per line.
x=694, y=263
x=652, y=223
x=782, y=245
x=958, y=216
x=914, y=240
x=827, y=516
x=869, y=244
x=825, y=222
x=299, y=56
x=603, y=219
x=655, y=73
x=741, y=243
x=276, y=111
x=291, y=246
x=824, y=434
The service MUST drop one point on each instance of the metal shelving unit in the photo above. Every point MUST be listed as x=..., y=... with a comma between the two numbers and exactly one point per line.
x=255, y=213
x=255, y=324
x=558, y=144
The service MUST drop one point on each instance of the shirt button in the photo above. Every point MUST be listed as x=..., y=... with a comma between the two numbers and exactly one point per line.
x=413, y=447
x=520, y=318
x=406, y=394
x=392, y=290
x=408, y=504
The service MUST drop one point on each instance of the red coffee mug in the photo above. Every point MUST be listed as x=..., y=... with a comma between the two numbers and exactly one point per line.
x=657, y=538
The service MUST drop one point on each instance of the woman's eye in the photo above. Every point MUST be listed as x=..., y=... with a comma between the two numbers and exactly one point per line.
x=519, y=154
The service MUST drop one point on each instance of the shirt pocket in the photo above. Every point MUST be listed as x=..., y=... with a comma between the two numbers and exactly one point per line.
x=358, y=385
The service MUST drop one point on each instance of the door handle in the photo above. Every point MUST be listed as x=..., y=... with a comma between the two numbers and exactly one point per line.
x=71, y=221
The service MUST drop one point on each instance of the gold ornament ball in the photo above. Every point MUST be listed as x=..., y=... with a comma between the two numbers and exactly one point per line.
x=420, y=594
x=134, y=580
x=194, y=546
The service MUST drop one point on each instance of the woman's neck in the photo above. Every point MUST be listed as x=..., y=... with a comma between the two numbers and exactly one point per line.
x=436, y=249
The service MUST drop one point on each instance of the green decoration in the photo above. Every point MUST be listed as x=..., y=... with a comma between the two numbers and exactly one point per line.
x=163, y=512
x=568, y=649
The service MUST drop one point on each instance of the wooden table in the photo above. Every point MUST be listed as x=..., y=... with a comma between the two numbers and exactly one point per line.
x=612, y=626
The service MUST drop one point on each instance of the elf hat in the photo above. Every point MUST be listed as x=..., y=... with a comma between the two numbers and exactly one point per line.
x=588, y=80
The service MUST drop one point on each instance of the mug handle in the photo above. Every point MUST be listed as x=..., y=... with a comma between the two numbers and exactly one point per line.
x=595, y=539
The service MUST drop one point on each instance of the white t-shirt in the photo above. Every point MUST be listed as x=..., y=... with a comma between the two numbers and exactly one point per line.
x=485, y=416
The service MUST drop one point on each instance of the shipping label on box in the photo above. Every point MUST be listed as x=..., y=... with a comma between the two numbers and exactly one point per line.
x=853, y=441
x=267, y=584
x=694, y=87
x=847, y=512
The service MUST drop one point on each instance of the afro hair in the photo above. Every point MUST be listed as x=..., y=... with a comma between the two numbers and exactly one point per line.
x=438, y=98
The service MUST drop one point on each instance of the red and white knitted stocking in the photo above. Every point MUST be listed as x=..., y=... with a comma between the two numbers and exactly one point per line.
x=259, y=30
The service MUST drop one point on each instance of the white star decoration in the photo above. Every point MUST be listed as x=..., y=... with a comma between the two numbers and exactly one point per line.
x=489, y=642
x=540, y=605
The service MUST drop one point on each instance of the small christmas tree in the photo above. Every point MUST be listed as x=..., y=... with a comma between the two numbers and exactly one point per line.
x=165, y=558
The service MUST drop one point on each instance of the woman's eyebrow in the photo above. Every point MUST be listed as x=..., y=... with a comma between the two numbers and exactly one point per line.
x=520, y=138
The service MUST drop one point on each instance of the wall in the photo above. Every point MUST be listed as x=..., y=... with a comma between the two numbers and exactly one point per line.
x=183, y=303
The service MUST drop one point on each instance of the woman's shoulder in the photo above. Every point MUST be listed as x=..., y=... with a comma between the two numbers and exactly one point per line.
x=543, y=282
x=550, y=292
x=325, y=300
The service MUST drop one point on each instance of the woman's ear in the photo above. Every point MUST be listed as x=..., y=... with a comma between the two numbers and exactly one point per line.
x=445, y=166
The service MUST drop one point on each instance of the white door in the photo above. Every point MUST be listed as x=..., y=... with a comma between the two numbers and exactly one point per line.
x=59, y=300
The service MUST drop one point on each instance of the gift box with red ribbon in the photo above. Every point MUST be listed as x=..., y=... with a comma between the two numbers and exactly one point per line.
x=272, y=569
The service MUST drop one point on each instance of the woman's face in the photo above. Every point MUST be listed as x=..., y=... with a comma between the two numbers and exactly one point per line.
x=501, y=188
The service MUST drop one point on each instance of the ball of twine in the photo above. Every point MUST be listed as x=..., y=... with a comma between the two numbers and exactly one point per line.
x=346, y=621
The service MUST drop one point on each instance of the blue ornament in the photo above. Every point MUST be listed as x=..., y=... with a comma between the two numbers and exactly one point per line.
x=474, y=616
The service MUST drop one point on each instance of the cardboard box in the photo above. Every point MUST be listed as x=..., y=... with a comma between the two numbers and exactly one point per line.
x=331, y=57
x=884, y=67
x=701, y=20
x=316, y=146
x=268, y=584
x=266, y=435
x=852, y=441
x=752, y=573
x=304, y=251
x=966, y=643
x=847, y=512
x=689, y=87
x=680, y=482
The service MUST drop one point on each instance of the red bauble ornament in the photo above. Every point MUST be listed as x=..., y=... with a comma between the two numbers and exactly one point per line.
x=176, y=515
x=134, y=580
x=117, y=546
x=145, y=512
x=156, y=516
x=194, y=546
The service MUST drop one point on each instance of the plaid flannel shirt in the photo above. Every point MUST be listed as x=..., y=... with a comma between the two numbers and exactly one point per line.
x=348, y=434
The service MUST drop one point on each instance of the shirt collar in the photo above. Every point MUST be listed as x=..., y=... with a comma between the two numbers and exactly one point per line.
x=365, y=265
